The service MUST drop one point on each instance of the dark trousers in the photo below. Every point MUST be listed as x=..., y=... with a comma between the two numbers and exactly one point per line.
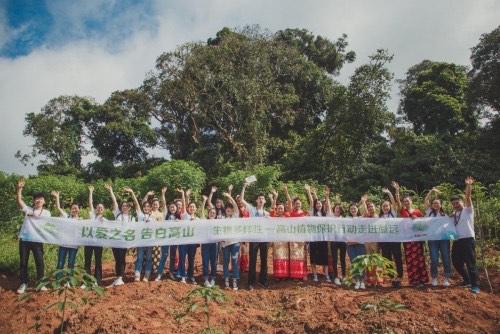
x=173, y=254
x=97, y=251
x=463, y=254
x=392, y=251
x=338, y=250
x=24, y=254
x=119, y=254
x=252, y=275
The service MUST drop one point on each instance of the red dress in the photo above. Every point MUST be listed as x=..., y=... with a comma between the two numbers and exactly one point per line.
x=298, y=260
x=414, y=254
x=244, y=261
x=281, y=254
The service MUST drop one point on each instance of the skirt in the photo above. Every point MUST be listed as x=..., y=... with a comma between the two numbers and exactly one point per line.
x=281, y=260
x=318, y=253
x=298, y=263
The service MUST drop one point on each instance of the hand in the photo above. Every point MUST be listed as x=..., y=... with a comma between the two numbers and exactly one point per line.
x=91, y=189
x=108, y=187
x=179, y=190
x=327, y=191
x=364, y=198
x=285, y=186
x=385, y=191
x=226, y=194
x=20, y=183
x=128, y=190
x=230, y=188
x=271, y=197
x=245, y=184
x=55, y=194
x=214, y=189
x=436, y=190
x=469, y=180
x=205, y=198
x=188, y=192
x=274, y=192
x=163, y=190
x=307, y=187
x=395, y=185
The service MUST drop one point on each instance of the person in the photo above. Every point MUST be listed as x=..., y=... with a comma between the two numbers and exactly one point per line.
x=96, y=214
x=368, y=211
x=158, y=209
x=209, y=250
x=437, y=246
x=414, y=251
x=392, y=250
x=256, y=247
x=244, y=259
x=172, y=215
x=123, y=216
x=318, y=250
x=219, y=203
x=144, y=215
x=463, y=252
x=66, y=251
x=188, y=250
x=174, y=249
x=25, y=247
x=355, y=249
x=298, y=258
x=339, y=251
x=231, y=249
x=281, y=250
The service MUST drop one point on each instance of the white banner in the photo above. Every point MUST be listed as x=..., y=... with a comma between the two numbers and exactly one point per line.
x=70, y=232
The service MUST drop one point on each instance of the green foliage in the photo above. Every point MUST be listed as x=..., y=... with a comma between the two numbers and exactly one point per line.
x=8, y=206
x=375, y=263
x=72, y=190
x=383, y=305
x=63, y=283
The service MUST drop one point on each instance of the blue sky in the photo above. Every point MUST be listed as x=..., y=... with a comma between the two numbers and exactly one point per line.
x=94, y=47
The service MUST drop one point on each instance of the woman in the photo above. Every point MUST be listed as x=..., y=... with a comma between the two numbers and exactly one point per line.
x=231, y=249
x=188, y=250
x=298, y=259
x=414, y=251
x=145, y=216
x=369, y=211
x=172, y=215
x=69, y=251
x=244, y=259
x=437, y=246
x=209, y=251
x=88, y=251
x=281, y=250
x=392, y=250
x=158, y=209
x=355, y=249
x=339, y=250
x=318, y=250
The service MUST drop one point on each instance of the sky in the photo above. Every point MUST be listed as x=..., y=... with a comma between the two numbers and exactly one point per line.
x=94, y=47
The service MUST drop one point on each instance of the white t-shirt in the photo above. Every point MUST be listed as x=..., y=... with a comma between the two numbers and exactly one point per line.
x=236, y=214
x=464, y=222
x=94, y=216
x=254, y=212
x=144, y=217
x=29, y=211
x=390, y=214
x=122, y=217
x=428, y=213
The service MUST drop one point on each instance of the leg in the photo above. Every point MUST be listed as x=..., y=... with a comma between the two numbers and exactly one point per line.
x=235, y=254
x=263, y=246
x=335, y=249
x=342, y=248
x=470, y=261
x=87, y=254
x=148, y=253
x=434, y=254
x=163, y=260
x=72, y=257
x=457, y=258
x=213, y=260
x=61, y=257
x=226, y=251
x=98, y=264
x=116, y=255
x=138, y=261
x=173, y=253
x=24, y=255
x=205, y=257
x=252, y=275
x=181, y=269
x=398, y=258
x=445, y=257
x=191, y=255
x=38, y=255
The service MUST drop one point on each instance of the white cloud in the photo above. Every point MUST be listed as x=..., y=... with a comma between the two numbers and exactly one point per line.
x=413, y=31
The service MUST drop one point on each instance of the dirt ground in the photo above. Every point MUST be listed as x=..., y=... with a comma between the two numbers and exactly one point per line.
x=284, y=307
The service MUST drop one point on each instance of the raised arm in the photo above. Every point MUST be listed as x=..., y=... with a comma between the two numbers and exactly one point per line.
x=91, y=198
x=163, y=201
x=183, y=199
x=362, y=204
x=309, y=195
x=134, y=199
x=212, y=191
x=391, y=198
x=147, y=196
x=328, y=205
x=289, y=204
x=205, y=199
x=19, y=193
x=242, y=195
x=56, y=195
x=468, y=191
x=273, y=201
x=187, y=197
x=397, y=196
x=113, y=197
x=236, y=210
x=230, y=190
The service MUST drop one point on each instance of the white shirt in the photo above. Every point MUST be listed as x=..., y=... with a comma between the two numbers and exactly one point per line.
x=122, y=217
x=94, y=216
x=254, y=212
x=236, y=214
x=29, y=211
x=390, y=214
x=464, y=222
x=144, y=217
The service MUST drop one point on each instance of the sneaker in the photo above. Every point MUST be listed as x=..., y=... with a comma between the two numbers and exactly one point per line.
x=137, y=276
x=251, y=287
x=193, y=281
x=328, y=279
x=183, y=280
x=337, y=281
x=226, y=283
x=67, y=285
x=362, y=286
x=235, y=284
x=158, y=278
x=357, y=285
x=475, y=290
x=43, y=289
x=434, y=282
x=22, y=288
x=83, y=287
x=172, y=276
x=118, y=281
x=446, y=283
x=212, y=283
x=206, y=284
x=145, y=279
x=315, y=278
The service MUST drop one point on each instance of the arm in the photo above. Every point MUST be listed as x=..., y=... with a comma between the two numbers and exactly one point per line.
x=242, y=195
x=183, y=199
x=233, y=203
x=309, y=195
x=391, y=198
x=146, y=197
x=56, y=196
x=362, y=204
x=187, y=195
x=212, y=191
x=113, y=197
x=395, y=185
x=134, y=198
x=163, y=201
x=230, y=189
x=19, y=193
x=91, y=199
x=288, y=199
x=328, y=205
x=468, y=191
x=205, y=199
x=273, y=201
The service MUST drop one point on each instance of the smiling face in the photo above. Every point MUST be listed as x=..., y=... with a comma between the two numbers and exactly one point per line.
x=156, y=205
x=219, y=204
x=260, y=201
x=172, y=208
x=212, y=213
x=436, y=205
x=146, y=208
x=75, y=210
x=386, y=207
x=407, y=202
x=125, y=208
x=191, y=209
x=38, y=202
x=99, y=209
x=229, y=211
x=337, y=211
x=353, y=210
x=318, y=206
x=178, y=203
x=297, y=204
x=371, y=209
x=280, y=210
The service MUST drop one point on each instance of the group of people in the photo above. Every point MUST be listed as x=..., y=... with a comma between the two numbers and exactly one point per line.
x=289, y=258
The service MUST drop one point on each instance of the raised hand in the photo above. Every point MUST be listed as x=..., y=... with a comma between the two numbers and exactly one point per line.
x=230, y=188
x=164, y=190
x=386, y=191
x=364, y=198
x=395, y=185
x=108, y=187
x=188, y=192
x=20, y=183
x=214, y=189
x=55, y=194
x=436, y=190
x=327, y=191
x=469, y=180
x=307, y=187
x=226, y=194
x=179, y=190
x=91, y=189
x=205, y=198
x=128, y=190
x=274, y=192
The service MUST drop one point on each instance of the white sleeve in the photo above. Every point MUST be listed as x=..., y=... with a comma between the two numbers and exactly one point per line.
x=116, y=212
x=27, y=210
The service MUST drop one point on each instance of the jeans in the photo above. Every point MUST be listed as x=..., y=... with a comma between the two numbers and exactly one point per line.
x=190, y=252
x=463, y=254
x=173, y=253
x=209, y=260
x=141, y=252
x=252, y=275
x=163, y=259
x=231, y=252
x=24, y=254
x=88, y=250
x=354, y=251
x=338, y=250
x=443, y=247
x=392, y=251
x=61, y=257
x=119, y=254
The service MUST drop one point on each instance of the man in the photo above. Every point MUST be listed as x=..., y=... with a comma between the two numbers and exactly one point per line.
x=463, y=252
x=26, y=246
x=257, y=211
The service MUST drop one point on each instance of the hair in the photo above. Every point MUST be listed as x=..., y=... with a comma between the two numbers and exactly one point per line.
x=381, y=213
x=351, y=205
x=296, y=199
x=38, y=195
x=340, y=207
x=261, y=195
x=228, y=206
x=456, y=198
x=315, y=211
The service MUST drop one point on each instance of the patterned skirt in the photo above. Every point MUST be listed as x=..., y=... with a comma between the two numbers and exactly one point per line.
x=415, y=263
x=281, y=260
x=298, y=262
